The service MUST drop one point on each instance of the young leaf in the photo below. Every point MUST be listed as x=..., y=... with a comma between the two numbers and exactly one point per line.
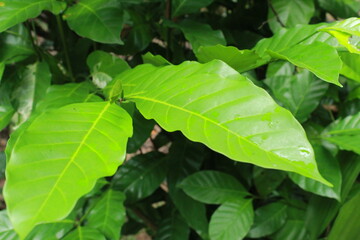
x=84, y=233
x=326, y=64
x=13, y=12
x=232, y=220
x=268, y=219
x=213, y=104
x=213, y=187
x=99, y=20
x=345, y=133
x=174, y=228
x=107, y=214
x=180, y=7
x=49, y=169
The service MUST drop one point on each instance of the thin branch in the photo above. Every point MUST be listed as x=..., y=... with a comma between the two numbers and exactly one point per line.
x=276, y=14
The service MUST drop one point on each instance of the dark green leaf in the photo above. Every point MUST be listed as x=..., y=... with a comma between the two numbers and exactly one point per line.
x=267, y=180
x=341, y=8
x=173, y=228
x=179, y=7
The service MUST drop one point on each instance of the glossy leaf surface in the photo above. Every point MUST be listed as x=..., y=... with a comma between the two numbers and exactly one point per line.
x=232, y=220
x=99, y=20
x=213, y=187
x=213, y=104
x=73, y=162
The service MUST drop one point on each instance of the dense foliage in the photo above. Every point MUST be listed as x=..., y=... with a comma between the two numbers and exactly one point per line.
x=180, y=119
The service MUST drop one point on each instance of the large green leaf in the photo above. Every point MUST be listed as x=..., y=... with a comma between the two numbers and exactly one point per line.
x=107, y=214
x=213, y=187
x=13, y=12
x=173, y=228
x=351, y=63
x=232, y=220
x=300, y=93
x=326, y=63
x=213, y=104
x=85, y=233
x=268, y=219
x=49, y=169
x=130, y=177
x=240, y=60
x=290, y=13
x=346, y=226
x=329, y=168
x=99, y=20
x=180, y=7
x=345, y=133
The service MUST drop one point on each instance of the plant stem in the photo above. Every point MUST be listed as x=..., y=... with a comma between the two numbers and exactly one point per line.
x=65, y=48
x=276, y=14
x=32, y=39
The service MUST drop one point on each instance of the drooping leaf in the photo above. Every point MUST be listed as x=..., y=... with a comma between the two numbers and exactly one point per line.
x=180, y=7
x=99, y=20
x=329, y=168
x=341, y=8
x=346, y=225
x=173, y=228
x=300, y=93
x=141, y=176
x=213, y=187
x=44, y=183
x=350, y=65
x=268, y=219
x=84, y=233
x=232, y=220
x=13, y=12
x=240, y=60
x=290, y=13
x=345, y=133
x=107, y=214
x=326, y=64
x=104, y=67
x=213, y=104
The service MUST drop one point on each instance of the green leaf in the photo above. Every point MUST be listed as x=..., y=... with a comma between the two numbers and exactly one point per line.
x=290, y=13
x=213, y=104
x=300, y=93
x=341, y=8
x=99, y=20
x=293, y=229
x=213, y=187
x=6, y=229
x=326, y=64
x=6, y=108
x=2, y=68
x=13, y=12
x=200, y=34
x=50, y=169
x=267, y=180
x=232, y=220
x=345, y=133
x=240, y=60
x=156, y=60
x=350, y=67
x=180, y=7
x=107, y=214
x=84, y=233
x=343, y=31
x=130, y=177
x=104, y=67
x=268, y=219
x=329, y=168
x=346, y=225
x=173, y=228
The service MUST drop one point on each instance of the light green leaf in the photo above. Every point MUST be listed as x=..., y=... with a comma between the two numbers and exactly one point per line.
x=232, y=220
x=200, y=34
x=104, y=67
x=345, y=133
x=173, y=228
x=326, y=64
x=341, y=8
x=107, y=214
x=240, y=60
x=268, y=219
x=346, y=226
x=351, y=63
x=85, y=233
x=130, y=177
x=13, y=12
x=49, y=169
x=213, y=187
x=180, y=7
x=156, y=60
x=300, y=93
x=279, y=68
x=290, y=13
x=343, y=31
x=99, y=20
x=6, y=229
x=213, y=104
x=329, y=168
